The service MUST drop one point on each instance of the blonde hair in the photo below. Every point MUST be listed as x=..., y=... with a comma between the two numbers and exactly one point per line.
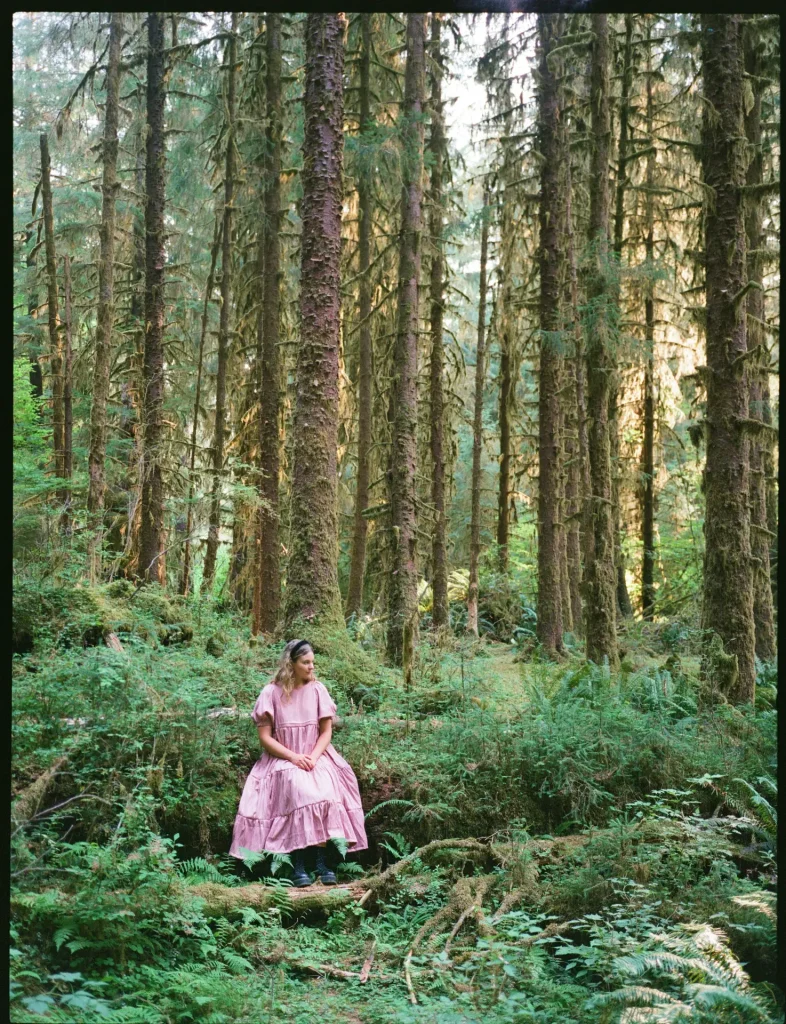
x=285, y=673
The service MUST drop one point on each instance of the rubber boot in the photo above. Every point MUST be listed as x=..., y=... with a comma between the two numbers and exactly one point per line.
x=300, y=877
x=324, y=873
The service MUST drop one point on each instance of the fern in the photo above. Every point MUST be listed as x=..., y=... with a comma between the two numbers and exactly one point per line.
x=393, y=802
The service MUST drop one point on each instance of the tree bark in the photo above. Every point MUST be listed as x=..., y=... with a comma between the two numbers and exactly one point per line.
x=185, y=579
x=600, y=606
x=55, y=340
x=578, y=487
x=624, y=607
x=68, y=396
x=151, y=544
x=402, y=623
x=477, y=424
x=728, y=578
x=648, y=448
x=759, y=399
x=365, y=368
x=551, y=223
x=312, y=580
x=439, y=581
x=214, y=524
x=106, y=305
x=268, y=600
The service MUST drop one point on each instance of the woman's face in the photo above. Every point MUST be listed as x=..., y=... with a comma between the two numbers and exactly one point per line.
x=304, y=667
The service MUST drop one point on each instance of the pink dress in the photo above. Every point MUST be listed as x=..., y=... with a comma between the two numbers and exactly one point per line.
x=285, y=808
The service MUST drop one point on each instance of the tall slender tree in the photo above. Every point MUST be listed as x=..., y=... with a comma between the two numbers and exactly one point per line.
x=224, y=317
x=68, y=393
x=151, y=540
x=648, y=445
x=727, y=558
x=312, y=582
x=601, y=322
x=477, y=422
x=185, y=578
x=758, y=361
x=551, y=259
x=53, y=316
x=439, y=582
x=106, y=303
x=267, y=595
x=402, y=607
x=624, y=606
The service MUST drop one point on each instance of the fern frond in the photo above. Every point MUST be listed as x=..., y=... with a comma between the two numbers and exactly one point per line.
x=761, y=900
x=393, y=802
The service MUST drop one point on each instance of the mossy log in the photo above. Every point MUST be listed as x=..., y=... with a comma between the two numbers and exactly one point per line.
x=224, y=901
x=29, y=800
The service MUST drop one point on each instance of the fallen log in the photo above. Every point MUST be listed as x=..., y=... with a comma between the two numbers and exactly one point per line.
x=29, y=800
x=224, y=901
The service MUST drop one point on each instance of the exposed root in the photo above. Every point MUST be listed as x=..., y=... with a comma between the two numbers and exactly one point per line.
x=467, y=898
x=378, y=883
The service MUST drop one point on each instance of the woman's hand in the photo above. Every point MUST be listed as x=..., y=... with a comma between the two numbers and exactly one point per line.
x=304, y=761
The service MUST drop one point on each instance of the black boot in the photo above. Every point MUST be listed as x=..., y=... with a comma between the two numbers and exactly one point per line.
x=324, y=873
x=300, y=877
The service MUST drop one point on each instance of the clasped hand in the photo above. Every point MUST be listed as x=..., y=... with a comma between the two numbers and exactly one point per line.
x=304, y=761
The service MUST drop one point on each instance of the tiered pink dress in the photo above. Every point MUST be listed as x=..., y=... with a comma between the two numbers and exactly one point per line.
x=285, y=808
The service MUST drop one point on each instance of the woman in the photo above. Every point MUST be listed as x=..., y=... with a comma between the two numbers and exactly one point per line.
x=301, y=792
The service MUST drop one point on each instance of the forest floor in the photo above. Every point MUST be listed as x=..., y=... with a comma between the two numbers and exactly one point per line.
x=540, y=833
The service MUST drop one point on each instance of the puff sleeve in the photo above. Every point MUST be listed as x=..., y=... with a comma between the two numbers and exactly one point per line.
x=264, y=706
x=326, y=706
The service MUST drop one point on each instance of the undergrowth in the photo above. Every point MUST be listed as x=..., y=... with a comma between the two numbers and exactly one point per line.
x=635, y=828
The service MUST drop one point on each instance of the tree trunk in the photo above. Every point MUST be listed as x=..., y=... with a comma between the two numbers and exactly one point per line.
x=728, y=578
x=152, y=525
x=68, y=395
x=648, y=448
x=55, y=341
x=214, y=526
x=185, y=579
x=267, y=601
x=477, y=426
x=578, y=488
x=365, y=368
x=439, y=579
x=312, y=578
x=106, y=306
x=551, y=220
x=600, y=606
x=758, y=364
x=624, y=607
x=402, y=623
x=36, y=375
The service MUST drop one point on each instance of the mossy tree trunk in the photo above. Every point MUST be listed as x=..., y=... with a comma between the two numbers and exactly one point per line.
x=365, y=367
x=439, y=582
x=648, y=445
x=68, y=394
x=185, y=578
x=151, y=540
x=577, y=488
x=214, y=523
x=53, y=315
x=601, y=324
x=477, y=423
x=312, y=581
x=728, y=577
x=624, y=607
x=106, y=305
x=758, y=365
x=551, y=259
x=402, y=607
x=267, y=594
